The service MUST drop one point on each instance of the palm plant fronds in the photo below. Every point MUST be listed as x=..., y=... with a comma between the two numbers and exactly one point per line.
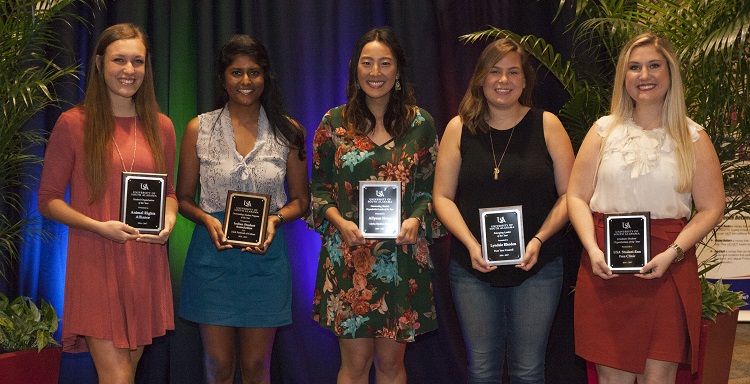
x=712, y=39
x=712, y=42
x=29, y=32
x=537, y=47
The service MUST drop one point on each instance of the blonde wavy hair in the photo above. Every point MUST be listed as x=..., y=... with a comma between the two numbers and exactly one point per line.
x=674, y=113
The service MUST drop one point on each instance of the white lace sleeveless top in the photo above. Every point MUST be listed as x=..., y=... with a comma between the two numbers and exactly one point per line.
x=638, y=172
x=222, y=169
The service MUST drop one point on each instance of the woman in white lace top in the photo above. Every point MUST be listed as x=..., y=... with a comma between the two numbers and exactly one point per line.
x=240, y=295
x=646, y=156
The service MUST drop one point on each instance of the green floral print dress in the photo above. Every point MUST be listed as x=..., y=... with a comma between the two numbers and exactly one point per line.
x=377, y=289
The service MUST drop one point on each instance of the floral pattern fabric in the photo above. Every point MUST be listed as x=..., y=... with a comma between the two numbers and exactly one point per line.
x=377, y=289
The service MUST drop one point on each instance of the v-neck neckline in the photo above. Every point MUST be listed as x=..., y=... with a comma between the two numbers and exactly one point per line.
x=234, y=137
x=384, y=145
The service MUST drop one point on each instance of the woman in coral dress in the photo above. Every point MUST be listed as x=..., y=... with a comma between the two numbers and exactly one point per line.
x=118, y=295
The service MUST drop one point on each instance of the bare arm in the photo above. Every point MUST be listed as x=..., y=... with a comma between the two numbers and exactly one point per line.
x=561, y=151
x=444, y=193
x=299, y=198
x=710, y=202
x=187, y=183
x=580, y=191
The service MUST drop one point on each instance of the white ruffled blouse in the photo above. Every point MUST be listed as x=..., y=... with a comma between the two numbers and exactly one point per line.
x=638, y=171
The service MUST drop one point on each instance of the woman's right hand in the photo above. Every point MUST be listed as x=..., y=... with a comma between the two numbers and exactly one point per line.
x=350, y=233
x=216, y=232
x=599, y=265
x=117, y=231
x=477, y=261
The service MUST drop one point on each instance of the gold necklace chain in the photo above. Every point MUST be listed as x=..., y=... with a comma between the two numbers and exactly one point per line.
x=496, y=171
x=135, y=146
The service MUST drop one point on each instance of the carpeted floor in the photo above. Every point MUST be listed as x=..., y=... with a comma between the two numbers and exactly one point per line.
x=740, y=371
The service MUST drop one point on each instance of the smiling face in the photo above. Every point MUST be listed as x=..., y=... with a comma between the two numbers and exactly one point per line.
x=376, y=70
x=123, y=67
x=647, y=75
x=504, y=83
x=244, y=81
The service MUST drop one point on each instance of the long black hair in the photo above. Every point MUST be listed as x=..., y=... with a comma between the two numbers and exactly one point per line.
x=281, y=123
x=401, y=107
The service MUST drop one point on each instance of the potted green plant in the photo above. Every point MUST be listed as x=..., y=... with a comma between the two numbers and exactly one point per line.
x=713, y=44
x=25, y=340
x=718, y=329
x=29, y=71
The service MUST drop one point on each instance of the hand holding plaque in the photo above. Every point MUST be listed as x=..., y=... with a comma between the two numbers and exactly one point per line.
x=502, y=235
x=142, y=201
x=380, y=209
x=627, y=241
x=246, y=219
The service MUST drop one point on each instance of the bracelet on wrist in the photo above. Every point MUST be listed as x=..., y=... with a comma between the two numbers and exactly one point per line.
x=540, y=240
x=680, y=254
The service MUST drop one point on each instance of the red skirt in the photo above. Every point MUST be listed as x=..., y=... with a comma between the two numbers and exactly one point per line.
x=623, y=321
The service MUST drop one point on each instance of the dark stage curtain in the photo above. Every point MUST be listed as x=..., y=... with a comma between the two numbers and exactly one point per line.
x=310, y=43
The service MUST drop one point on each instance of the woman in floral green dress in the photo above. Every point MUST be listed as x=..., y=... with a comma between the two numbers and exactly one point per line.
x=374, y=294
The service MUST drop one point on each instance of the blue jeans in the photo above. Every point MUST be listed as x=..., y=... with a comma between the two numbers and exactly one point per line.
x=517, y=319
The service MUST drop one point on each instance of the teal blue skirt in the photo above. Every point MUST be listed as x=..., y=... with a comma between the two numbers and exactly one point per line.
x=234, y=288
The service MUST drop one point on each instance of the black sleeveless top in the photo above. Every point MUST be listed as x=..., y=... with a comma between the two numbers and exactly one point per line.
x=526, y=178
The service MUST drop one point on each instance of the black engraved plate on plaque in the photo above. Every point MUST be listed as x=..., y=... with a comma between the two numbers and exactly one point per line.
x=502, y=235
x=245, y=218
x=143, y=201
x=380, y=209
x=627, y=246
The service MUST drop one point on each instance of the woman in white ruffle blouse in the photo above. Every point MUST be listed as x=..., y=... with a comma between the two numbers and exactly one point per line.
x=646, y=156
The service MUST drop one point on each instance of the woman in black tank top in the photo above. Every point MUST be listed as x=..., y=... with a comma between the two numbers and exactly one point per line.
x=500, y=152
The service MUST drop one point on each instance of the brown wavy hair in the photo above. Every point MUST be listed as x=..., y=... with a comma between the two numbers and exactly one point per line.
x=100, y=124
x=401, y=109
x=474, y=109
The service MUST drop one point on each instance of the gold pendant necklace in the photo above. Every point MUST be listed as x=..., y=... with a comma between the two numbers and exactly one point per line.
x=496, y=171
x=135, y=146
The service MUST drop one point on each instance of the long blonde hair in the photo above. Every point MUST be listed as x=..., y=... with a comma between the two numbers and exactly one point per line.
x=100, y=124
x=674, y=113
x=474, y=108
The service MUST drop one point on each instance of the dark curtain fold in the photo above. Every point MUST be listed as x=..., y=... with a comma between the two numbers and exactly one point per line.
x=310, y=43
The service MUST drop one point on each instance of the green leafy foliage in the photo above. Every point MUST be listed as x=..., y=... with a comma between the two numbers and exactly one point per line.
x=717, y=298
x=712, y=42
x=29, y=32
x=23, y=325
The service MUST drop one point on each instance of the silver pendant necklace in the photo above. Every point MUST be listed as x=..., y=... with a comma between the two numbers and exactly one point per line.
x=135, y=147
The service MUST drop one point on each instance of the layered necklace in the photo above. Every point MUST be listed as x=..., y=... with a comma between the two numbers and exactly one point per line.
x=496, y=171
x=135, y=146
